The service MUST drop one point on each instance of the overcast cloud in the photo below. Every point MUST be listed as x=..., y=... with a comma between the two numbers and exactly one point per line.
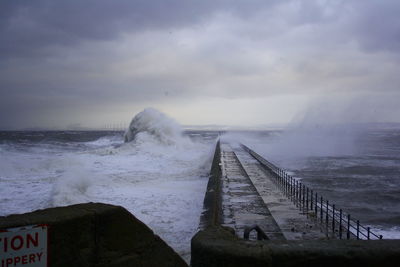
x=202, y=62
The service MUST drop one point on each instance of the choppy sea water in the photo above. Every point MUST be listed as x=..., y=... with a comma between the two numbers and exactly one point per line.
x=161, y=184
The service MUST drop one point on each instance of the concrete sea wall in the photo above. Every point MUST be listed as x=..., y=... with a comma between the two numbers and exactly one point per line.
x=96, y=234
x=217, y=246
x=212, y=213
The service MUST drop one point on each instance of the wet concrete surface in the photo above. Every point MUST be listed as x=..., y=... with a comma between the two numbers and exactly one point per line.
x=250, y=197
x=241, y=204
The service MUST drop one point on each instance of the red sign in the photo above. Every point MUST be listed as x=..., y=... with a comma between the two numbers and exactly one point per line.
x=25, y=246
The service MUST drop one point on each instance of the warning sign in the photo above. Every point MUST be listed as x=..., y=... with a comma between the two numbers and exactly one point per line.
x=25, y=246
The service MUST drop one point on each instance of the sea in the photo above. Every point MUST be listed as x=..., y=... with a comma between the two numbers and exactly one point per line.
x=163, y=183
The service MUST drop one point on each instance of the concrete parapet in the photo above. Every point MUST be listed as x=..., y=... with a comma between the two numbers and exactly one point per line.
x=218, y=246
x=96, y=234
x=212, y=214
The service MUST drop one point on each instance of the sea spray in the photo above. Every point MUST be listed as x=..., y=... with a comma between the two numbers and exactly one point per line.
x=328, y=127
x=321, y=140
x=71, y=185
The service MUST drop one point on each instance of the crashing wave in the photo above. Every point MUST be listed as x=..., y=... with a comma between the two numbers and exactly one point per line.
x=155, y=124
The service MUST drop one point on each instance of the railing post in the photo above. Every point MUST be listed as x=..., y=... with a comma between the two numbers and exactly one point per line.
x=300, y=186
x=358, y=229
x=291, y=188
x=322, y=210
x=311, y=200
x=294, y=191
x=316, y=205
x=307, y=199
x=286, y=184
x=333, y=218
x=301, y=195
x=340, y=223
x=348, y=226
x=327, y=214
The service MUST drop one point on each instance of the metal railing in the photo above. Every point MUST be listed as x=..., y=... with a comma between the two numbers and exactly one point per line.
x=334, y=221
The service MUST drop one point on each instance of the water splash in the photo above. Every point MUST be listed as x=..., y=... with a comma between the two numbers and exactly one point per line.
x=153, y=124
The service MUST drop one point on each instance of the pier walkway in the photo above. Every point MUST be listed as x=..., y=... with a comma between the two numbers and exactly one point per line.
x=247, y=192
x=250, y=197
x=293, y=222
x=241, y=204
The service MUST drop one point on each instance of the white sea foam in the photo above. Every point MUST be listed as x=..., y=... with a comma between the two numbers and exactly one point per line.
x=105, y=141
x=25, y=180
x=391, y=233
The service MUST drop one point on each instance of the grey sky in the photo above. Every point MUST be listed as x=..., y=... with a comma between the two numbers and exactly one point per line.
x=202, y=62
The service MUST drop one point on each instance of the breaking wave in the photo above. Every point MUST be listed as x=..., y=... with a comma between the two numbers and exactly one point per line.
x=153, y=124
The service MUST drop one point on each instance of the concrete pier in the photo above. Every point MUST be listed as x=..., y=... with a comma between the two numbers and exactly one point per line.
x=245, y=189
x=293, y=223
x=249, y=196
x=241, y=203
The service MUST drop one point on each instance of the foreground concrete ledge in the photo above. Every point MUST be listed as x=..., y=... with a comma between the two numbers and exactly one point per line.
x=96, y=234
x=218, y=246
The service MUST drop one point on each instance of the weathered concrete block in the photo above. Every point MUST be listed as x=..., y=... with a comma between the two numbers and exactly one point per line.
x=96, y=234
x=217, y=246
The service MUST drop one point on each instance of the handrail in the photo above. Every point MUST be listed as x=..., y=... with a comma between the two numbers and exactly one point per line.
x=337, y=222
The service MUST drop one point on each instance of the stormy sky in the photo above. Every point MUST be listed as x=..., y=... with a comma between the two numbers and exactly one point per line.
x=90, y=63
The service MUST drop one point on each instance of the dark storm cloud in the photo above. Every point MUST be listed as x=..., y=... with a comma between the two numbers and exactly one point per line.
x=29, y=27
x=63, y=58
